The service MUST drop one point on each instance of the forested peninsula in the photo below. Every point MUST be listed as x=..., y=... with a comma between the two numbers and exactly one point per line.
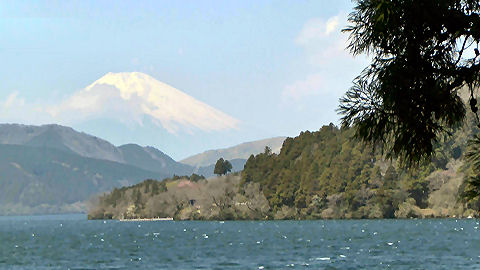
x=317, y=175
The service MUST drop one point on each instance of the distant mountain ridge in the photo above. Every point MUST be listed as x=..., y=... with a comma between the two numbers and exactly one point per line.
x=150, y=158
x=39, y=178
x=61, y=138
x=49, y=168
x=241, y=151
x=53, y=168
x=69, y=140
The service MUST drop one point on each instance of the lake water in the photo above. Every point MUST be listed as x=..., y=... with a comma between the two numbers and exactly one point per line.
x=72, y=242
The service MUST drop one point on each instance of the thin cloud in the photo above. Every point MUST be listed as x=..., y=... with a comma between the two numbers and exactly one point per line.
x=13, y=99
x=323, y=40
x=317, y=29
x=15, y=109
x=331, y=25
x=331, y=66
x=312, y=85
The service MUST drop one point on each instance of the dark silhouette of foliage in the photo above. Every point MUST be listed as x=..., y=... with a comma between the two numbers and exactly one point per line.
x=222, y=167
x=227, y=166
x=422, y=52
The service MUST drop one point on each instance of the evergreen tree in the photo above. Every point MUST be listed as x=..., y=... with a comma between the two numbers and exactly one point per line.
x=147, y=187
x=155, y=189
x=162, y=186
x=218, y=170
x=195, y=177
x=222, y=167
x=423, y=53
x=227, y=167
x=472, y=192
x=390, y=178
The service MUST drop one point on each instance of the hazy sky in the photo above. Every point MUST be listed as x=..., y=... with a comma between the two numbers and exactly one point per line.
x=276, y=67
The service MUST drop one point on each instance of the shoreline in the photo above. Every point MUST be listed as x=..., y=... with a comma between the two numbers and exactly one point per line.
x=146, y=219
x=337, y=219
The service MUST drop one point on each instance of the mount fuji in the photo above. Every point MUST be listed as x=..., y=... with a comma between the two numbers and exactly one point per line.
x=130, y=96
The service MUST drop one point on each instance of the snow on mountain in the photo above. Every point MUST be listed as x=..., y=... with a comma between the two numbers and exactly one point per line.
x=130, y=96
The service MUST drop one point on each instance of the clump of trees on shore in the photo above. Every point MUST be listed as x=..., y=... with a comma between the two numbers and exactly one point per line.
x=184, y=199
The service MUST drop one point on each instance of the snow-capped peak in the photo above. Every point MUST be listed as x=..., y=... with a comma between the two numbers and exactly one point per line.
x=131, y=95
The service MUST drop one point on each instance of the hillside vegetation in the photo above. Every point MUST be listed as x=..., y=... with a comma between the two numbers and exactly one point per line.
x=322, y=174
x=183, y=198
x=326, y=174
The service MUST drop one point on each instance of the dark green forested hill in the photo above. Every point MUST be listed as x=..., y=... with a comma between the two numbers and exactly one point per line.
x=328, y=174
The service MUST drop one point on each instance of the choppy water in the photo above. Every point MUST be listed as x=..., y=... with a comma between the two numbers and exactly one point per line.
x=72, y=242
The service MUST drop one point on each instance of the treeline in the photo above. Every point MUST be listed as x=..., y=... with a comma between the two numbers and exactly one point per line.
x=322, y=174
x=327, y=174
x=183, y=198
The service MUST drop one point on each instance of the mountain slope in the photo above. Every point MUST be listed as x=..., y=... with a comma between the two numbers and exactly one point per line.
x=49, y=139
x=71, y=141
x=32, y=176
x=59, y=137
x=43, y=169
x=150, y=158
x=241, y=151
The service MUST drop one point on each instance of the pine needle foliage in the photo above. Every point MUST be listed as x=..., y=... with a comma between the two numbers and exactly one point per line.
x=422, y=53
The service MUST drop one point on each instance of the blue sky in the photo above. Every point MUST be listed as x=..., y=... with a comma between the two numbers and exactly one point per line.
x=278, y=67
